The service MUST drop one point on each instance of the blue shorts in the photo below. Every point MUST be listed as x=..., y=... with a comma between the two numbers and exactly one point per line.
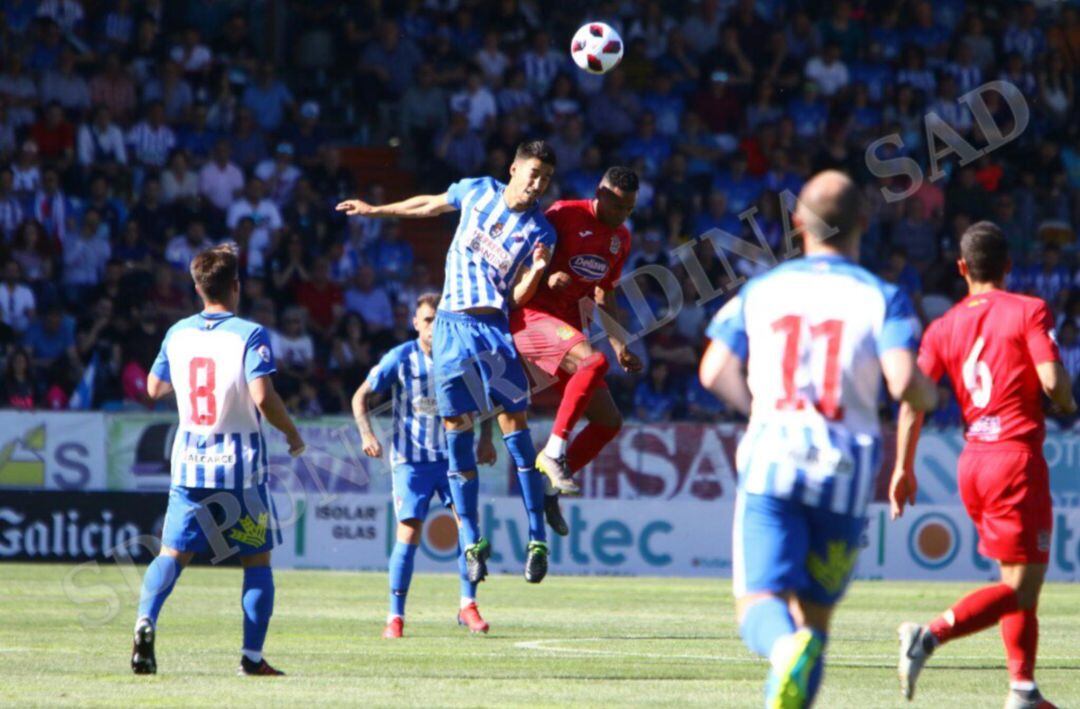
x=476, y=365
x=207, y=519
x=783, y=545
x=414, y=486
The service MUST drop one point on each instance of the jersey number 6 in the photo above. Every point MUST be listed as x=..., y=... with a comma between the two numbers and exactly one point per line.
x=203, y=392
x=831, y=330
x=977, y=378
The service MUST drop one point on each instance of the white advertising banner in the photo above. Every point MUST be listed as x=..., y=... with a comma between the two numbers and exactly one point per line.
x=47, y=450
x=638, y=537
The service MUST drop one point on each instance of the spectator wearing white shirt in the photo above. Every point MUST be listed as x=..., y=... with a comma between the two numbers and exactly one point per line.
x=182, y=248
x=151, y=140
x=279, y=174
x=85, y=256
x=370, y=301
x=948, y=109
x=491, y=60
x=267, y=220
x=541, y=64
x=828, y=70
x=476, y=101
x=17, y=302
x=294, y=350
x=194, y=57
x=101, y=143
x=67, y=14
x=173, y=91
x=25, y=173
x=220, y=180
x=19, y=90
x=179, y=181
x=64, y=86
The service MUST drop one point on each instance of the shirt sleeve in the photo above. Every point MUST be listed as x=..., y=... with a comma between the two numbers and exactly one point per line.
x=930, y=360
x=258, y=357
x=457, y=192
x=901, y=328
x=1041, y=336
x=729, y=327
x=382, y=375
x=160, y=367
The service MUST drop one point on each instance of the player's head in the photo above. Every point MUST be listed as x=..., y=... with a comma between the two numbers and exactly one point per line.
x=829, y=214
x=424, y=318
x=616, y=195
x=984, y=254
x=530, y=173
x=217, y=276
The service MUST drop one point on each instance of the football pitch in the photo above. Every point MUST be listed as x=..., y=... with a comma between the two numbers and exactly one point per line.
x=569, y=641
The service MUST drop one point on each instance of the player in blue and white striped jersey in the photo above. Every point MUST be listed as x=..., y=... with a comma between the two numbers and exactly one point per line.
x=498, y=255
x=815, y=334
x=418, y=458
x=219, y=367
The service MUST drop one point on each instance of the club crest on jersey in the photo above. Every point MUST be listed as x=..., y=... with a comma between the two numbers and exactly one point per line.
x=585, y=233
x=589, y=266
x=565, y=332
x=496, y=229
x=264, y=353
x=616, y=244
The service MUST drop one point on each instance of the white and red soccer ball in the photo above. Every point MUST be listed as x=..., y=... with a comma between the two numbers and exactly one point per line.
x=596, y=47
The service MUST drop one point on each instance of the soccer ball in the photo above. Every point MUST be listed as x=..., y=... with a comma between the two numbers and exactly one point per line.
x=596, y=48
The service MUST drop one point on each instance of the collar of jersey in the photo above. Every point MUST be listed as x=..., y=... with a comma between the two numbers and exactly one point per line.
x=829, y=258
x=215, y=316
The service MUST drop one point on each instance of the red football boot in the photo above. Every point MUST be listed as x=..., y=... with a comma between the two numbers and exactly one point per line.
x=394, y=628
x=470, y=616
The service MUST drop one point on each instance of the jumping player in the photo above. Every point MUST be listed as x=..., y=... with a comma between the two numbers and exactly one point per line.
x=816, y=335
x=499, y=253
x=592, y=246
x=219, y=366
x=999, y=351
x=418, y=459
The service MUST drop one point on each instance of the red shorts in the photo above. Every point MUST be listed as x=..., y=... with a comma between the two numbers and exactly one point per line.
x=542, y=338
x=1006, y=491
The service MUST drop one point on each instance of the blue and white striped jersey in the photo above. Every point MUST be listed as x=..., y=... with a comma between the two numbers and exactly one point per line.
x=209, y=358
x=490, y=246
x=418, y=431
x=812, y=332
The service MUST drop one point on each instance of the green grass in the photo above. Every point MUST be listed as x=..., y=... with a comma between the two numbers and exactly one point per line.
x=580, y=641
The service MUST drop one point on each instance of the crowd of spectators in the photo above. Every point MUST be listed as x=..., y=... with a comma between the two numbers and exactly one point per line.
x=135, y=132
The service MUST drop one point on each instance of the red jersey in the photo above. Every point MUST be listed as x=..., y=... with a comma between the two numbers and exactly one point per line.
x=592, y=254
x=989, y=345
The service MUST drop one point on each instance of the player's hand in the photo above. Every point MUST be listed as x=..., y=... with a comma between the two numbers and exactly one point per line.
x=629, y=361
x=902, y=489
x=372, y=447
x=485, y=452
x=541, y=257
x=559, y=280
x=355, y=208
x=296, y=445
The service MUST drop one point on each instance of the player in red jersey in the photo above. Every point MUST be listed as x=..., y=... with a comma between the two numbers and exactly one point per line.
x=999, y=352
x=592, y=246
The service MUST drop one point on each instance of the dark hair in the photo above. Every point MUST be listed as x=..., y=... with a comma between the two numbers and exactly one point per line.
x=621, y=177
x=215, y=271
x=535, y=149
x=985, y=251
x=430, y=298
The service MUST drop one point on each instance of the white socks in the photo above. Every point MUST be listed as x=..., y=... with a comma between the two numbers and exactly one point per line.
x=466, y=602
x=556, y=447
x=253, y=655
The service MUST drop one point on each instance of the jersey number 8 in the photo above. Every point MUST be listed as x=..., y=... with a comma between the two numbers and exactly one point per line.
x=205, y=415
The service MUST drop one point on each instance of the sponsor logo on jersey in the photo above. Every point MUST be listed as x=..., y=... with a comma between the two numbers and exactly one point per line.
x=490, y=251
x=264, y=353
x=585, y=233
x=195, y=457
x=424, y=405
x=589, y=266
x=616, y=244
x=250, y=532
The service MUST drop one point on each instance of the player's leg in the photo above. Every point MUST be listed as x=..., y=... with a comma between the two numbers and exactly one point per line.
x=468, y=611
x=181, y=536
x=518, y=439
x=1020, y=631
x=402, y=561
x=414, y=487
x=464, y=486
x=255, y=534
x=586, y=369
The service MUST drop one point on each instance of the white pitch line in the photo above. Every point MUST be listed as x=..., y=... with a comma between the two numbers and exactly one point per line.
x=546, y=645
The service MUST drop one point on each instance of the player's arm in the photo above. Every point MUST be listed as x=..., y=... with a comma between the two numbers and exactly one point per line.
x=158, y=388
x=528, y=279
x=1043, y=350
x=906, y=382
x=362, y=415
x=270, y=405
x=904, y=485
x=607, y=302
x=159, y=380
x=1056, y=385
x=485, y=448
x=722, y=372
x=418, y=207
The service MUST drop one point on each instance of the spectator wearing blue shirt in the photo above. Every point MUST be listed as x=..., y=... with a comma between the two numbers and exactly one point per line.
x=1023, y=37
x=647, y=144
x=926, y=33
x=654, y=401
x=390, y=255
x=268, y=99
x=1050, y=280
x=197, y=138
x=390, y=61
x=717, y=215
x=459, y=148
x=701, y=404
x=50, y=338
x=741, y=188
x=580, y=183
x=809, y=112
x=666, y=106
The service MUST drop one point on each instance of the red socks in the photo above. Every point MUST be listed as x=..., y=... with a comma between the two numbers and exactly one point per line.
x=1020, y=633
x=974, y=612
x=588, y=444
x=579, y=390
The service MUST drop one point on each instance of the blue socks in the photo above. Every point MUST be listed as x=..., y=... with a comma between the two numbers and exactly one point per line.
x=402, y=560
x=818, y=673
x=520, y=446
x=468, y=590
x=157, y=584
x=466, y=497
x=258, y=603
x=764, y=623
